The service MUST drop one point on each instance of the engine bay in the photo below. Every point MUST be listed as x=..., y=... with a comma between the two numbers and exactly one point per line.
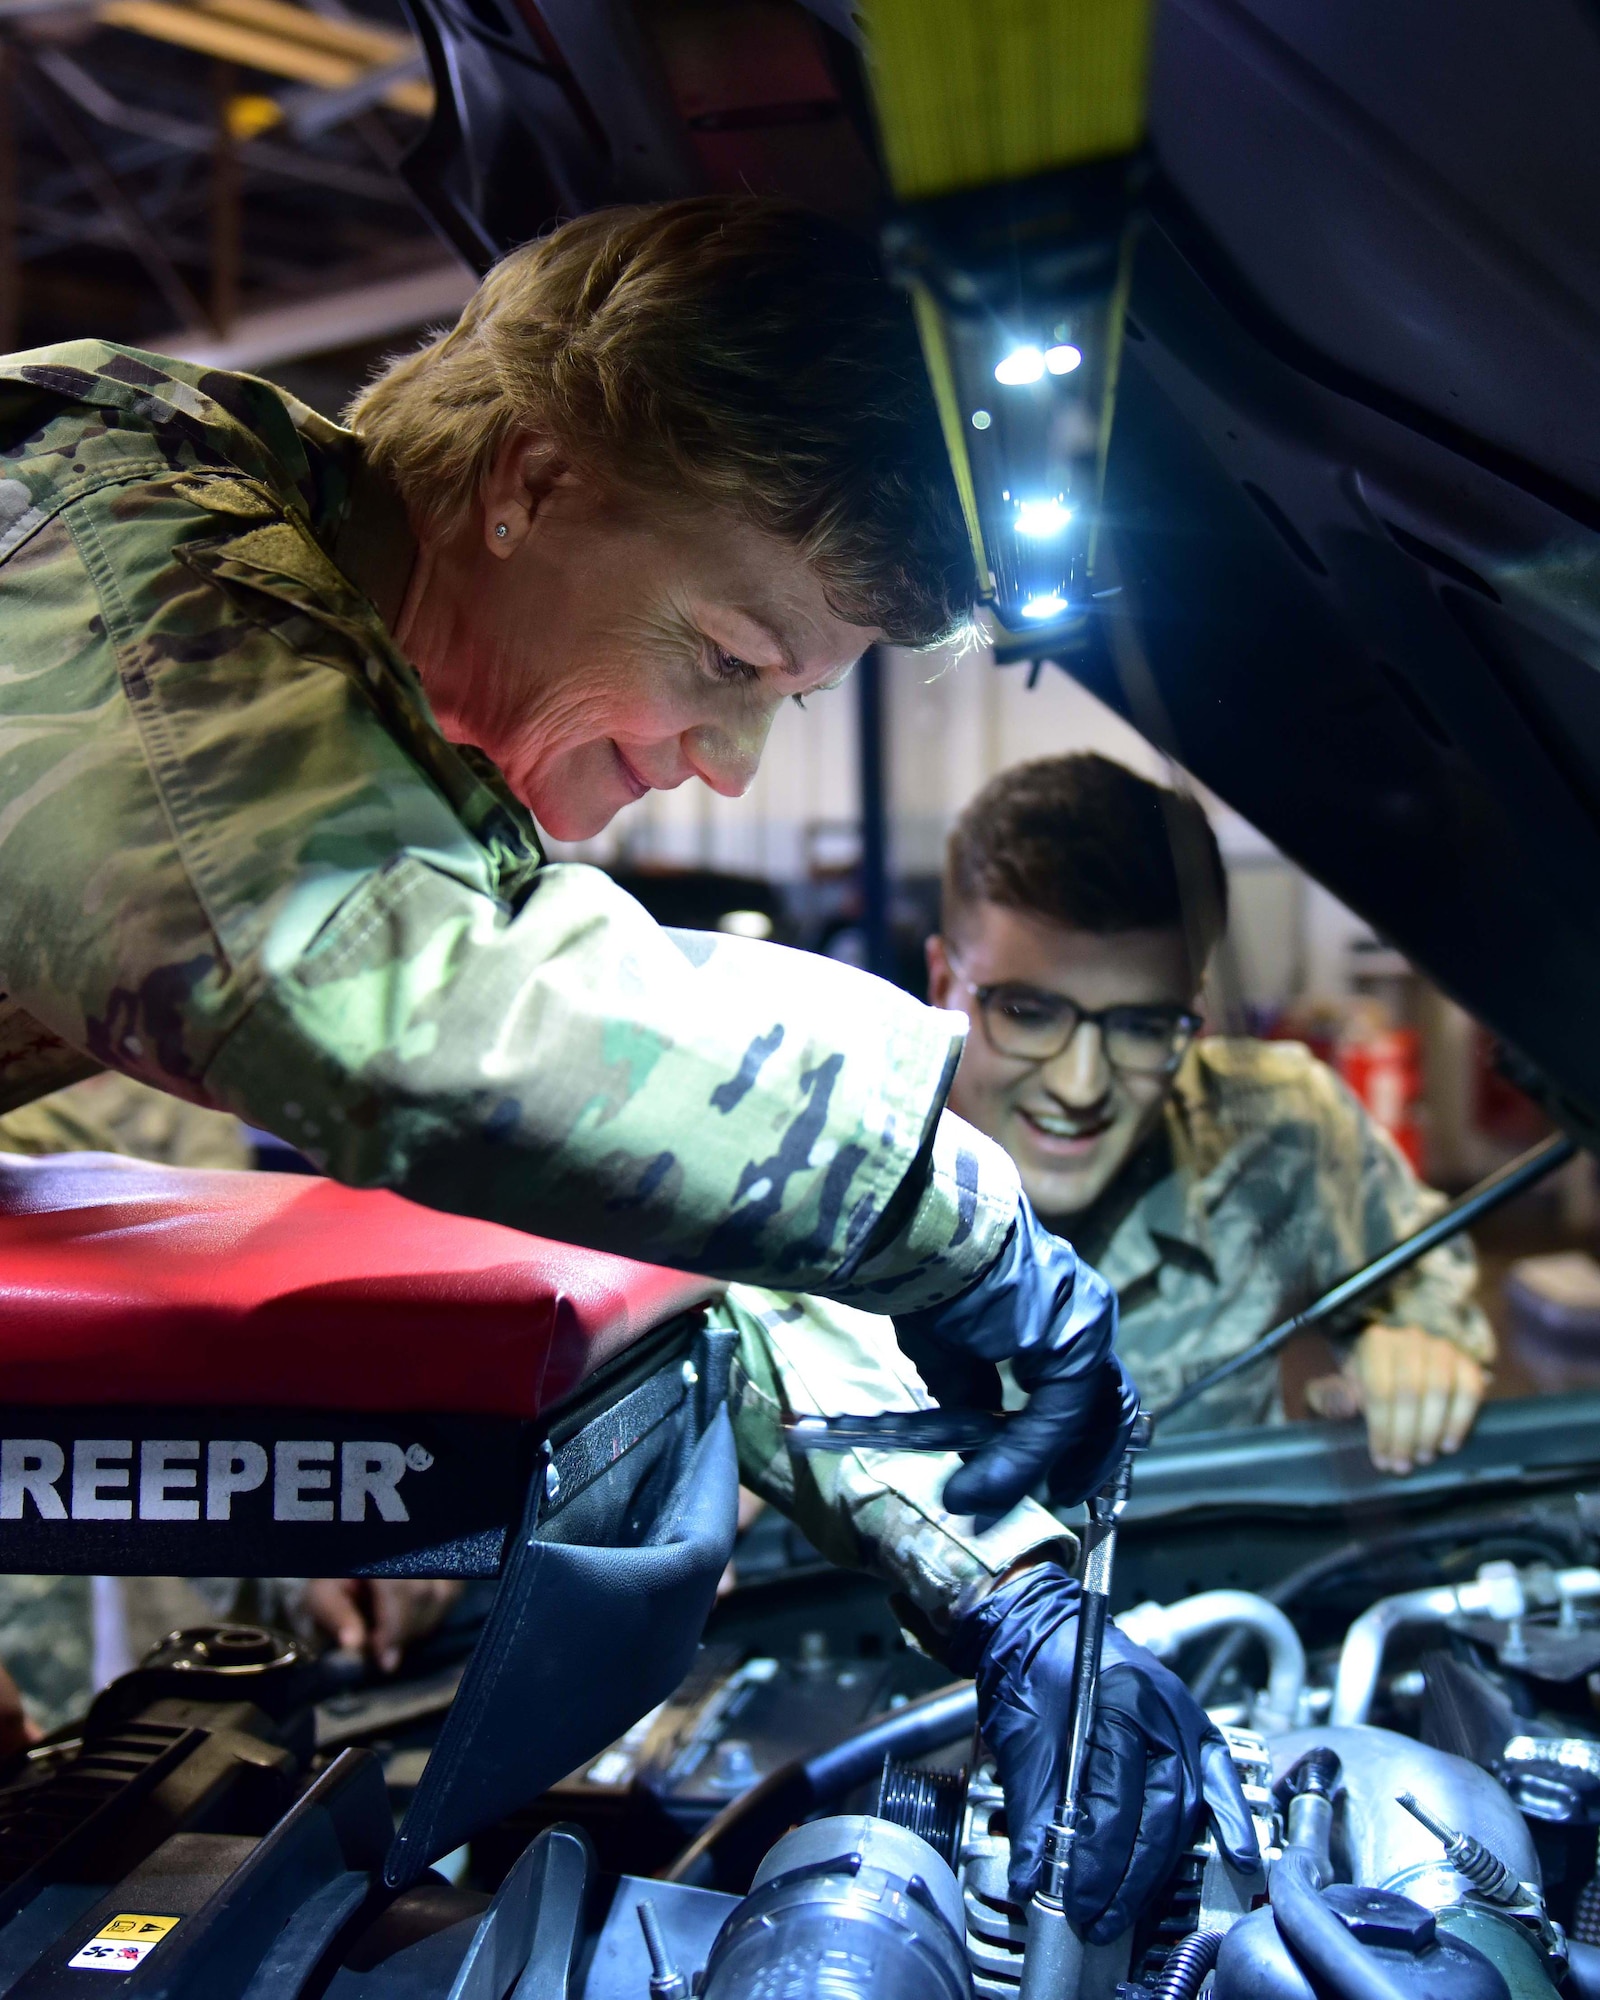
x=1415, y=1715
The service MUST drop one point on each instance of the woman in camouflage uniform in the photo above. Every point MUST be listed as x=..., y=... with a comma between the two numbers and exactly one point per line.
x=281, y=702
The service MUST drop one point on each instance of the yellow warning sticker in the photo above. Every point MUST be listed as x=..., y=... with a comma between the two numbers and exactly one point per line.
x=120, y=1945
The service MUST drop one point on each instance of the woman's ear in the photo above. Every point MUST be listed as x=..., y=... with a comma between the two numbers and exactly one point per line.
x=523, y=474
x=940, y=976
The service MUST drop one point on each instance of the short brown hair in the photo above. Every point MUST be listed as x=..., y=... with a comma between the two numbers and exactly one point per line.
x=738, y=352
x=1085, y=842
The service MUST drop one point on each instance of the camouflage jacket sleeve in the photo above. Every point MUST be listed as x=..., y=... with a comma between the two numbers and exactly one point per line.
x=242, y=864
x=1383, y=1200
x=113, y=1114
x=873, y=1510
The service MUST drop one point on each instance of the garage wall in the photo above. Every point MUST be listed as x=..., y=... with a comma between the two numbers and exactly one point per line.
x=953, y=723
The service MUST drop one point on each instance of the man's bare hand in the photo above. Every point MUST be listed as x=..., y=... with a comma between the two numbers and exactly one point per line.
x=1419, y=1391
x=17, y=1732
x=378, y=1616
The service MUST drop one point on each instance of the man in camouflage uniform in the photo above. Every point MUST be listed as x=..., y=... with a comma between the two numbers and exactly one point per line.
x=1219, y=1185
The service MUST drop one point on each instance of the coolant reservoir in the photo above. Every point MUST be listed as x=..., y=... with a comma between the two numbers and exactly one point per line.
x=1414, y=1956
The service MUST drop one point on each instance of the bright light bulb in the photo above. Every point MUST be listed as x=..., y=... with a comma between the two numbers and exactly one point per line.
x=1060, y=360
x=1042, y=519
x=745, y=923
x=1048, y=606
x=1021, y=365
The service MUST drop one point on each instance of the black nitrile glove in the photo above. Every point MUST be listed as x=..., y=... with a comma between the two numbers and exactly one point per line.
x=1054, y=1319
x=1156, y=1765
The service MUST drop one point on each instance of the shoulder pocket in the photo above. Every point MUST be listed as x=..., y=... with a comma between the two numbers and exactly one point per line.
x=277, y=724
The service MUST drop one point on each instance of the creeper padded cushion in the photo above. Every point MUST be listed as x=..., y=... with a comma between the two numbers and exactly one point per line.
x=122, y=1282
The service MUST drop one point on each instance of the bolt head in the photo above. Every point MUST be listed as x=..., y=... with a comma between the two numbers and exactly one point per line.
x=1378, y=1916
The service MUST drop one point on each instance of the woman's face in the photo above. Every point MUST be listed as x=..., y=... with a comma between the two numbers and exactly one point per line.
x=606, y=645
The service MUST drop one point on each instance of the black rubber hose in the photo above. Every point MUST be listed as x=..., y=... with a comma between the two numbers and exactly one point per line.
x=1337, y=1961
x=1187, y=1965
x=728, y=1849
x=941, y=1717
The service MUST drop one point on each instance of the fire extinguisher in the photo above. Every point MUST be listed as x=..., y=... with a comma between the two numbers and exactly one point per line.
x=1383, y=1066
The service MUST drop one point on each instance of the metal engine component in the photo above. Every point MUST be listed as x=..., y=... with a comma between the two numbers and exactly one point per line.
x=1411, y=1955
x=1164, y=1628
x=996, y=1927
x=852, y=1907
x=930, y=1803
x=226, y=1649
x=1377, y=1844
x=1530, y=1615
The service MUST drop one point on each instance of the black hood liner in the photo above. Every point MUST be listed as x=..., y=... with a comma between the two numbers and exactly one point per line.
x=1377, y=649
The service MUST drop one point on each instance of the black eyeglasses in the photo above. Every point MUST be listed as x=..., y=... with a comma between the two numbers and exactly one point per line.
x=1031, y=1026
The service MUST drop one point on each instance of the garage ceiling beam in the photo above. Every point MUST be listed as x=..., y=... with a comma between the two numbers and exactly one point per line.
x=336, y=320
x=277, y=39
x=189, y=135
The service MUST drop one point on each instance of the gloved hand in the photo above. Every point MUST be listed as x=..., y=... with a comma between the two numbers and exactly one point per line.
x=1054, y=1319
x=1156, y=1765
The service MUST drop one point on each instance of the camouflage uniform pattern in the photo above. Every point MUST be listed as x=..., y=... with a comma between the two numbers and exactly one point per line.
x=873, y=1510
x=111, y=1113
x=1282, y=1184
x=47, y=1631
x=242, y=864
x=47, y=1644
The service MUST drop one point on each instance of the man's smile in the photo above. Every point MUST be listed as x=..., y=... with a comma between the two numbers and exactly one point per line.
x=1063, y=1135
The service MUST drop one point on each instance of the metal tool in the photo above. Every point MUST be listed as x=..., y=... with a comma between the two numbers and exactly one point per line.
x=1052, y=1966
x=896, y=1430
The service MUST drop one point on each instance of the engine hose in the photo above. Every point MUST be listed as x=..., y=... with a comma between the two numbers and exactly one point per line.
x=728, y=1849
x=1541, y=1536
x=1187, y=1965
x=1337, y=1961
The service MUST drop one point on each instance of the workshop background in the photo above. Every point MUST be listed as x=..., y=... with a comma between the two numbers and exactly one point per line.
x=220, y=179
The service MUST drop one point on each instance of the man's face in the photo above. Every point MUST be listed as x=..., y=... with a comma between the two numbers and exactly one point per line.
x=1071, y=1123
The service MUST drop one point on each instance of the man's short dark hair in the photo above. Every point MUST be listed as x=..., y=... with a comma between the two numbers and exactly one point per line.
x=1084, y=842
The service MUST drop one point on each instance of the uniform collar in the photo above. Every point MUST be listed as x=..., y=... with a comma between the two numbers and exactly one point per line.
x=1172, y=1221
x=371, y=539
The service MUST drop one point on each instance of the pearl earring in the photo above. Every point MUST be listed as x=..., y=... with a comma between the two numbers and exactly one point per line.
x=501, y=530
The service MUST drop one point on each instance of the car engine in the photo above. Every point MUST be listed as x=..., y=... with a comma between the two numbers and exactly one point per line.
x=1426, y=1789
x=814, y=1815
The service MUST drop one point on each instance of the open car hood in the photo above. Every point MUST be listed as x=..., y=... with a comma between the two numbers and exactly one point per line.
x=1354, y=481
